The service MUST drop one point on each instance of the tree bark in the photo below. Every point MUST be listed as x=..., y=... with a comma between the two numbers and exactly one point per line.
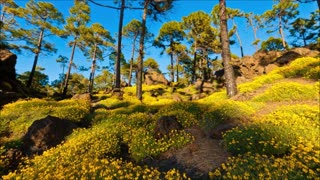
x=141, y=51
x=177, y=64
x=131, y=61
x=281, y=32
x=238, y=37
x=93, y=68
x=194, y=65
x=171, y=68
x=118, y=73
x=36, y=58
x=66, y=81
x=226, y=55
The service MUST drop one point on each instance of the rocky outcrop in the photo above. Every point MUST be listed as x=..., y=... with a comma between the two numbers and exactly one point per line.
x=46, y=133
x=206, y=87
x=152, y=77
x=8, y=62
x=165, y=125
x=263, y=62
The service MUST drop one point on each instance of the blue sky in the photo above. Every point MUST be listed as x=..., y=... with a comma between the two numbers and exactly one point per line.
x=109, y=19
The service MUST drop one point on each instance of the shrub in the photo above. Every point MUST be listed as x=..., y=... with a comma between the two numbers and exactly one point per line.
x=185, y=118
x=226, y=111
x=288, y=91
x=303, y=163
x=307, y=67
x=276, y=133
x=192, y=107
x=17, y=117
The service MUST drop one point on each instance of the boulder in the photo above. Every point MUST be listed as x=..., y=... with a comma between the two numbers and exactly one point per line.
x=46, y=133
x=86, y=97
x=8, y=62
x=166, y=124
x=152, y=77
x=206, y=86
x=287, y=58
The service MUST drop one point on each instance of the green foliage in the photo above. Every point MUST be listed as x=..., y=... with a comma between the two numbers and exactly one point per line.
x=227, y=111
x=194, y=108
x=272, y=44
x=150, y=63
x=40, y=80
x=288, y=91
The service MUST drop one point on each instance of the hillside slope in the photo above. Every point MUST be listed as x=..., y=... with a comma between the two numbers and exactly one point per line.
x=270, y=130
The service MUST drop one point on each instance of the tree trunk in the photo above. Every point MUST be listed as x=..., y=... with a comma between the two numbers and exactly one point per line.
x=131, y=61
x=238, y=37
x=281, y=32
x=93, y=68
x=194, y=65
x=118, y=75
x=177, y=70
x=66, y=81
x=171, y=68
x=35, y=58
x=141, y=51
x=304, y=39
x=226, y=55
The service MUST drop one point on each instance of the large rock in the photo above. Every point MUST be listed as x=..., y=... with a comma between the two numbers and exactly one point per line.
x=8, y=62
x=152, y=77
x=85, y=96
x=263, y=62
x=165, y=125
x=206, y=86
x=46, y=133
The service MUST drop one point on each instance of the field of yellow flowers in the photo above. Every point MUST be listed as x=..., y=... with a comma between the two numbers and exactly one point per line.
x=277, y=134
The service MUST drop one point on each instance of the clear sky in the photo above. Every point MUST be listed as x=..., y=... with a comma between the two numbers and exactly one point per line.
x=109, y=18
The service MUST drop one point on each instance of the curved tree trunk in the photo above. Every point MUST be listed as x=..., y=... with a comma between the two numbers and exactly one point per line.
x=238, y=37
x=194, y=65
x=35, y=58
x=226, y=55
x=93, y=67
x=131, y=61
x=66, y=81
x=141, y=51
x=281, y=32
x=177, y=70
x=118, y=73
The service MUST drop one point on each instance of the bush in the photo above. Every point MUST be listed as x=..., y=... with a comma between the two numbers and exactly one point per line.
x=227, y=111
x=303, y=163
x=276, y=133
x=307, y=67
x=17, y=117
x=288, y=91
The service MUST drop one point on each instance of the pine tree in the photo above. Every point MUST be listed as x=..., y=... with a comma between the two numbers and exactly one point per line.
x=282, y=12
x=75, y=27
x=8, y=24
x=44, y=19
x=154, y=8
x=98, y=39
x=133, y=31
x=171, y=34
x=226, y=55
x=255, y=22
